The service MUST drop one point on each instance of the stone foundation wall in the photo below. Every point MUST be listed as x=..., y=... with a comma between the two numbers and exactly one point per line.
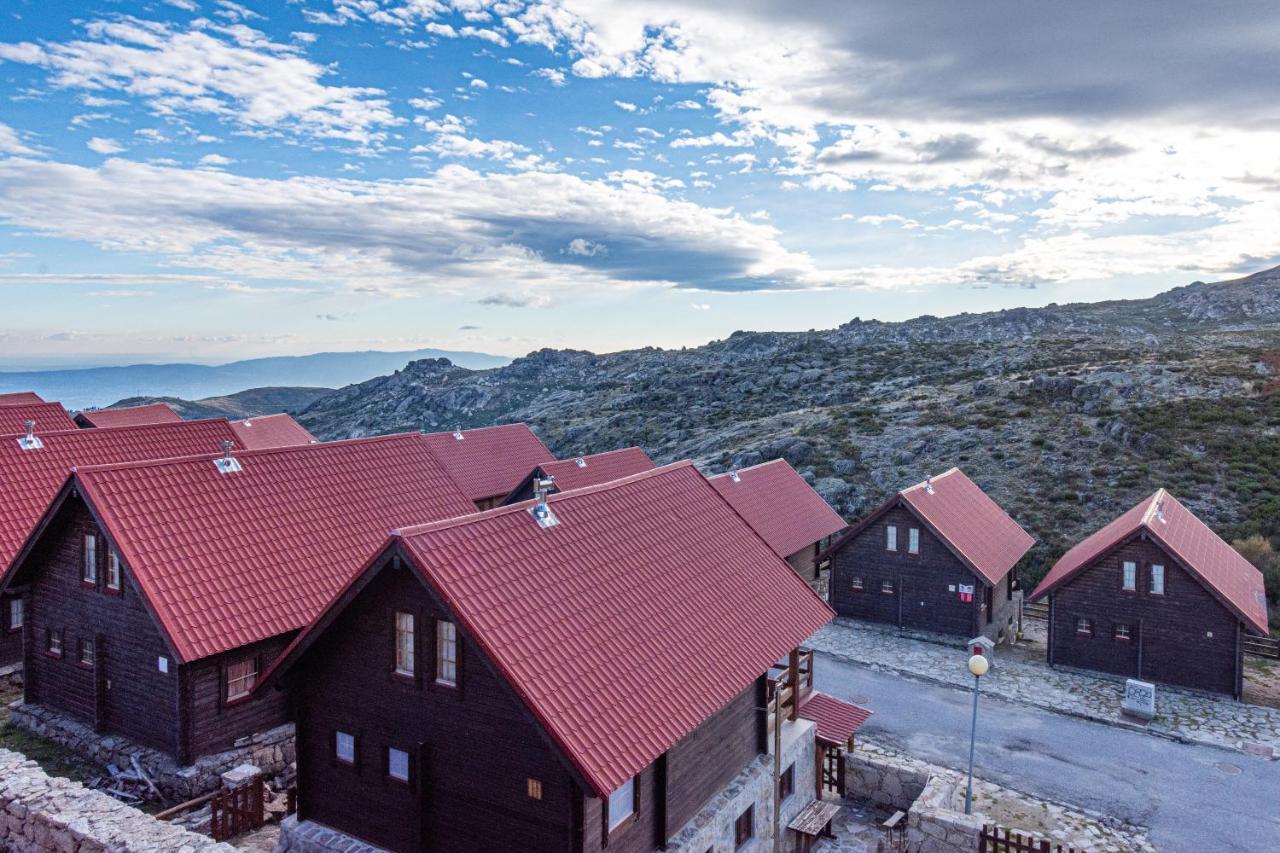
x=11, y=677
x=272, y=751
x=310, y=837
x=39, y=813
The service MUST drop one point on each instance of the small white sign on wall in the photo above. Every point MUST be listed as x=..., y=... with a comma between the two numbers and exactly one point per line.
x=951, y=587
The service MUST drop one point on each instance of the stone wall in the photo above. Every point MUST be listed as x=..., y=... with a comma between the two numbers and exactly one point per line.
x=712, y=827
x=272, y=751
x=11, y=677
x=39, y=813
x=799, y=749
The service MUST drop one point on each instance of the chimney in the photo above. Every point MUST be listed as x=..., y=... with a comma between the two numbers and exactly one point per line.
x=457, y=433
x=30, y=441
x=228, y=464
x=540, y=511
x=733, y=475
x=928, y=485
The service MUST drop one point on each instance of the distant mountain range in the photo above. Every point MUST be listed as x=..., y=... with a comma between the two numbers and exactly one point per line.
x=252, y=403
x=102, y=386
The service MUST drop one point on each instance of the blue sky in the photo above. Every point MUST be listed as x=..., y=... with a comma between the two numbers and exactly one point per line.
x=206, y=180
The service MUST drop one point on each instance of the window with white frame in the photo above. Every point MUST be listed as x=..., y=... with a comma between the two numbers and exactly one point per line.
x=1084, y=626
x=1130, y=570
x=398, y=764
x=886, y=587
x=1157, y=579
x=241, y=676
x=405, y=634
x=17, y=614
x=446, y=652
x=344, y=747
x=856, y=584
x=1123, y=632
x=86, y=652
x=891, y=538
x=913, y=541
x=53, y=642
x=89, y=573
x=622, y=803
x=113, y=571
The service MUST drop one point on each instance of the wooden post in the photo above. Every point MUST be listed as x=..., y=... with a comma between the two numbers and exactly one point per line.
x=777, y=762
x=793, y=674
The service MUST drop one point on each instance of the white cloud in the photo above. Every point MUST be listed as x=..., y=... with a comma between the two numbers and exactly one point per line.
x=584, y=248
x=101, y=145
x=215, y=160
x=10, y=142
x=477, y=83
x=625, y=105
x=553, y=75
x=687, y=105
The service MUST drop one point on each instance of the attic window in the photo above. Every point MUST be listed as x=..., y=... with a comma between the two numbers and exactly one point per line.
x=580, y=462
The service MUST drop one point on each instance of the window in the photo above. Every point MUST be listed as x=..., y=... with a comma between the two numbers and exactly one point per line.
x=241, y=676
x=787, y=783
x=398, y=764
x=344, y=747
x=1130, y=575
x=744, y=828
x=404, y=644
x=1123, y=632
x=90, y=571
x=913, y=541
x=113, y=571
x=535, y=789
x=856, y=584
x=1157, y=579
x=162, y=664
x=1084, y=626
x=85, y=652
x=446, y=652
x=17, y=614
x=891, y=538
x=886, y=587
x=53, y=642
x=622, y=804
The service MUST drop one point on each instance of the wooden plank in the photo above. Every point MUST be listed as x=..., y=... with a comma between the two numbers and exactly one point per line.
x=813, y=818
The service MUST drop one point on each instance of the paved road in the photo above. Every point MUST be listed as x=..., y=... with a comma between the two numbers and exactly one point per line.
x=1196, y=799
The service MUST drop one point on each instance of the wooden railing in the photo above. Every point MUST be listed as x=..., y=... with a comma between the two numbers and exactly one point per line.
x=237, y=810
x=1261, y=647
x=780, y=682
x=996, y=840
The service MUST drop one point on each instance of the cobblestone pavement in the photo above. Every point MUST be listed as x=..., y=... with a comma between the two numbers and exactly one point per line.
x=1181, y=715
x=856, y=827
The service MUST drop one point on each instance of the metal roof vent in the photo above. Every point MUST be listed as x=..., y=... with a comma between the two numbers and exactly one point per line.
x=1160, y=513
x=580, y=462
x=30, y=441
x=457, y=433
x=928, y=485
x=228, y=464
x=733, y=475
x=540, y=511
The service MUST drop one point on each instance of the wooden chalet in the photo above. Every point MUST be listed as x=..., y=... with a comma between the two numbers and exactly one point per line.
x=583, y=471
x=20, y=398
x=271, y=431
x=33, y=472
x=575, y=675
x=128, y=416
x=157, y=592
x=46, y=417
x=488, y=463
x=1155, y=595
x=785, y=510
x=938, y=556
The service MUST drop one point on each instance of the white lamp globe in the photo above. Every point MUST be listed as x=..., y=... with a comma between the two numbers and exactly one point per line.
x=978, y=665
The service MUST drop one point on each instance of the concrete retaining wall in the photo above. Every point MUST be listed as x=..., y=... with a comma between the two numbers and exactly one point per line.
x=936, y=822
x=39, y=814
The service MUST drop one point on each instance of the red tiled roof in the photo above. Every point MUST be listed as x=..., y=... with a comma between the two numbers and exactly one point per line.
x=837, y=720
x=30, y=479
x=270, y=431
x=49, y=417
x=153, y=413
x=974, y=526
x=625, y=626
x=230, y=559
x=489, y=462
x=15, y=398
x=597, y=468
x=1229, y=576
x=780, y=505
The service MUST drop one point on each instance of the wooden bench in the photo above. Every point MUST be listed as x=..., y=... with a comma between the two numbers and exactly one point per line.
x=813, y=822
x=895, y=830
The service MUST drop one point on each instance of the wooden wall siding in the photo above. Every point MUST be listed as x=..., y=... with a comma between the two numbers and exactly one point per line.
x=804, y=564
x=920, y=581
x=10, y=640
x=478, y=748
x=701, y=764
x=1175, y=646
x=141, y=702
x=213, y=725
x=640, y=834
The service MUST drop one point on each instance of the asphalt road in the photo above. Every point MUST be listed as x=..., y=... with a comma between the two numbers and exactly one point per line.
x=1196, y=799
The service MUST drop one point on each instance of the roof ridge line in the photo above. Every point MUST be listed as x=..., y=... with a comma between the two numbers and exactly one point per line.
x=750, y=467
x=115, y=429
x=952, y=470
x=1153, y=508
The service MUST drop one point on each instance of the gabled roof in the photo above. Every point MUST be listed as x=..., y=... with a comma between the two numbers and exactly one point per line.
x=780, y=505
x=49, y=417
x=152, y=413
x=15, y=398
x=230, y=559
x=1229, y=576
x=642, y=612
x=30, y=479
x=270, y=431
x=969, y=523
x=583, y=471
x=491, y=461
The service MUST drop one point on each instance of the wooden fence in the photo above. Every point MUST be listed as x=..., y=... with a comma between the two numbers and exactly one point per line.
x=996, y=840
x=1038, y=611
x=237, y=810
x=1261, y=647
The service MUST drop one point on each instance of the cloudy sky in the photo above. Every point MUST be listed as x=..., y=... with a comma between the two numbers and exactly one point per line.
x=209, y=180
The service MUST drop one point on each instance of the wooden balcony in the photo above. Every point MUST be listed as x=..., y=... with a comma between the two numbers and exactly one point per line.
x=789, y=684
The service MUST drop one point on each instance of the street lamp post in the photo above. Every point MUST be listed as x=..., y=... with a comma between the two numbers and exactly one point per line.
x=978, y=666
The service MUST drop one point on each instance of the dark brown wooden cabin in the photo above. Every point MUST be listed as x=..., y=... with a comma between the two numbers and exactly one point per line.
x=938, y=557
x=541, y=710
x=1155, y=595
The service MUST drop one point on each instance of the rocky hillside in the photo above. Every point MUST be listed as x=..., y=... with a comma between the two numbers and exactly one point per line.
x=252, y=403
x=1066, y=414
